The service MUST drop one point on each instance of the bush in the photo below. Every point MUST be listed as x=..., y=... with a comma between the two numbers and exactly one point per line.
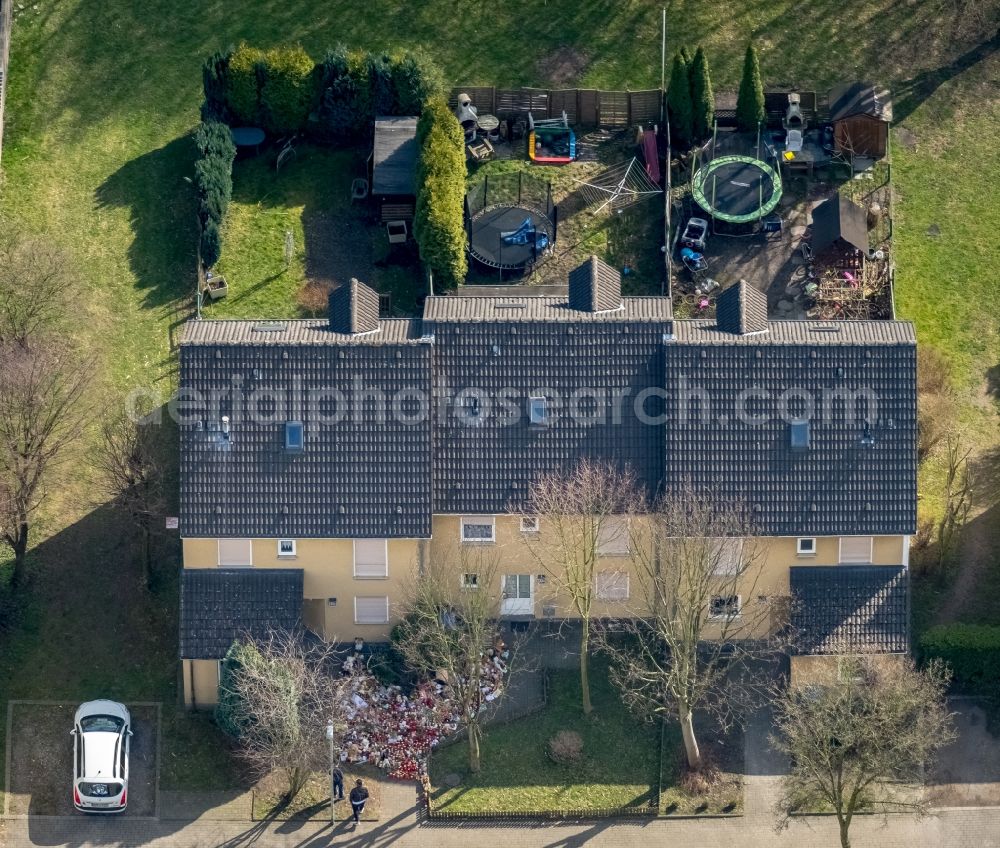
x=415, y=80
x=750, y=100
x=336, y=120
x=243, y=84
x=213, y=80
x=213, y=177
x=566, y=748
x=439, y=219
x=288, y=89
x=211, y=243
x=971, y=650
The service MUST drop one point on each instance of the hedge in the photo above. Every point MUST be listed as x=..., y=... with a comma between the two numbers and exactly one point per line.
x=333, y=101
x=213, y=177
x=438, y=224
x=972, y=651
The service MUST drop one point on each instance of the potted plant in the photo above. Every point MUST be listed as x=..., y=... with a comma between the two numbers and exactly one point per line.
x=215, y=286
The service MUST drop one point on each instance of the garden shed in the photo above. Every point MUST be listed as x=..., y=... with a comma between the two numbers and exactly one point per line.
x=394, y=168
x=861, y=113
x=839, y=223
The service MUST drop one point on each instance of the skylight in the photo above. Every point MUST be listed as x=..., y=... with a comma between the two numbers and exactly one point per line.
x=800, y=435
x=294, y=436
x=537, y=410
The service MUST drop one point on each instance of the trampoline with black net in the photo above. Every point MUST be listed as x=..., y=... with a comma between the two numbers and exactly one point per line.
x=737, y=180
x=511, y=221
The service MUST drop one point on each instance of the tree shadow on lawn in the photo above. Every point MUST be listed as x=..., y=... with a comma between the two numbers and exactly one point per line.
x=162, y=209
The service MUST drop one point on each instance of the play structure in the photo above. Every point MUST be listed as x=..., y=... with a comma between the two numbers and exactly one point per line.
x=511, y=222
x=551, y=141
x=619, y=187
x=737, y=180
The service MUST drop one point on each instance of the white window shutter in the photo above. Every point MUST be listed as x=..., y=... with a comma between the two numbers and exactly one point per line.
x=856, y=549
x=371, y=558
x=612, y=585
x=235, y=552
x=612, y=536
x=727, y=555
x=371, y=610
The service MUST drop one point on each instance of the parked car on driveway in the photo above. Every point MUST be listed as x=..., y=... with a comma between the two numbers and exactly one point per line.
x=101, y=734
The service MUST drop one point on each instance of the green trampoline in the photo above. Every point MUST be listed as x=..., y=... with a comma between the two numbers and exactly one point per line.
x=737, y=188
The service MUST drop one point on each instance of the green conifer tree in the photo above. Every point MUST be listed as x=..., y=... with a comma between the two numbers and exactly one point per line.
x=702, y=96
x=679, y=103
x=750, y=101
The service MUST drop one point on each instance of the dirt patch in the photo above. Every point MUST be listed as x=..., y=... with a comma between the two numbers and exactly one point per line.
x=338, y=247
x=907, y=138
x=968, y=770
x=41, y=758
x=563, y=66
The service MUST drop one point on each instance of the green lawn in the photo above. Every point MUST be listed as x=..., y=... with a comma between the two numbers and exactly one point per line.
x=620, y=765
x=97, y=156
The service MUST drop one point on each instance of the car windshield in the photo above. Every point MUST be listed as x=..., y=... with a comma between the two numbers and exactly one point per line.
x=101, y=723
x=100, y=790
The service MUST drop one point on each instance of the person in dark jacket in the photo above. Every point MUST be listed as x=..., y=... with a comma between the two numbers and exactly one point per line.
x=358, y=797
x=338, y=784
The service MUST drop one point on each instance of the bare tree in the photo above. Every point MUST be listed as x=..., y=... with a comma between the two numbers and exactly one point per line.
x=957, y=497
x=449, y=629
x=583, y=516
x=276, y=697
x=854, y=737
x=132, y=478
x=34, y=280
x=42, y=387
x=699, y=620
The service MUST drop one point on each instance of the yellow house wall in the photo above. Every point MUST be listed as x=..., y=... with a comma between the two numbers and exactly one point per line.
x=328, y=572
x=777, y=555
x=201, y=683
x=825, y=670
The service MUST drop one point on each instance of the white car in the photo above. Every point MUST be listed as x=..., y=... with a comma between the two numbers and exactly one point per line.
x=101, y=734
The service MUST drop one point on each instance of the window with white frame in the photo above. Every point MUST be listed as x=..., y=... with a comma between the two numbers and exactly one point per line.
x=805, y=546
x=856, y=549
x=529, y=523
x=286, y=548
x=724, y=607
x=470, y=580
x=371, y=558
x=726, y=556
x=612, y=536
x=235, y=552
x=611, y=585
x=480, y=528
x=371, y=609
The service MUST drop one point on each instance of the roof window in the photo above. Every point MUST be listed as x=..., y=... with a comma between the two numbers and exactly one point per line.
x=799, y=433
x=295, y=438
x=538, y=412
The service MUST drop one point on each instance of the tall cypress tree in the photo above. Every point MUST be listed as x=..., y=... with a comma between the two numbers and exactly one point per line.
x=750, y=102
x=702, y=96
x=679, y=103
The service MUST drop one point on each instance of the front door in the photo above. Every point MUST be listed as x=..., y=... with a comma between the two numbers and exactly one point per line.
x=517, y=598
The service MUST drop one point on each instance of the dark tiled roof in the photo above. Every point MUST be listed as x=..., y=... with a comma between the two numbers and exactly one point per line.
x=838, y=218
x=840, y=609
x=741, y=309
x=220, y=605
x=354, y=309
x=281, y=333
x=737, y=445
x=395, y=157
x=515, y=309
x=860, y=98
x=595, y=287
x=361, y=473
x=486, y=467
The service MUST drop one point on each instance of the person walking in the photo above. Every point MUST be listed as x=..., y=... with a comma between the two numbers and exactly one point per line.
x=358, y=797
x=338, y=784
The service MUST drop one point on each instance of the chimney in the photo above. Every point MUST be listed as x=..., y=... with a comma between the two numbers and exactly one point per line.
x=595, y=287
x=741, y=310
x=353, y=309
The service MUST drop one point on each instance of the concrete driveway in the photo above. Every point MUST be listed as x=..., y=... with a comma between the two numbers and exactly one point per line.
x=40, y=759
x=968, y=770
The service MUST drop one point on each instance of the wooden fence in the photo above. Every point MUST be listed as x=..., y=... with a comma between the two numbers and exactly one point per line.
x=583, y=106
x=6, y=22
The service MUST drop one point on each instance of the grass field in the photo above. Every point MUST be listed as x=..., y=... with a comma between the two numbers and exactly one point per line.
x=101, y=104
x=620, y=764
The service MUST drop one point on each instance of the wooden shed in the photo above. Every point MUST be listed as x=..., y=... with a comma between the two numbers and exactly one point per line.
x=861, y=113
x=394, y=168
